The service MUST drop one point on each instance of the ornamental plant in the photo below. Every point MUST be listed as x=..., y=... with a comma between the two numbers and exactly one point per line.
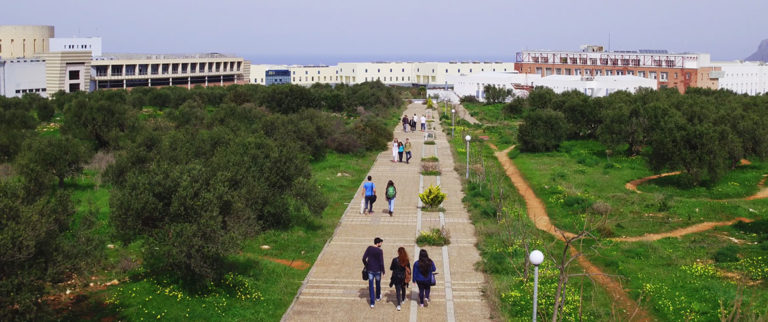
x=432, y=197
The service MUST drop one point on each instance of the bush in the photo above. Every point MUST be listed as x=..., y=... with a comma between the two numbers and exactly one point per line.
x=429, y=159
x=542, y=130
x=727, y=254
x=430, y=168
x=434, y=237
x=432, y=197
x=469, y=99
x=429, y=142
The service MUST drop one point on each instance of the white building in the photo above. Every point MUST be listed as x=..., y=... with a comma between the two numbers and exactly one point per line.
x=390, y=73
x=21, y=76
x=594, y=86
x=92, y=44
x=743, y=77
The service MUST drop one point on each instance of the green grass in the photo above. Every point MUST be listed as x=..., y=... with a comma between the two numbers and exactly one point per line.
x=739, y=183
x=434, y=237
x=429, y=159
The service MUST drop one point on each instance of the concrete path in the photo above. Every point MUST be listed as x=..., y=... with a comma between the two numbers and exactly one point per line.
x=334, y=290
x=462, y=112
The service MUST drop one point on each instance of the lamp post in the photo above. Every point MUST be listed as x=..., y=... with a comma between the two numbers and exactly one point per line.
x=536, y=258
x=453, y=121
x=467, y=138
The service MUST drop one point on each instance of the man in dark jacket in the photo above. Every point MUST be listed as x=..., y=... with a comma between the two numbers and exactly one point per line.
x=373, y=259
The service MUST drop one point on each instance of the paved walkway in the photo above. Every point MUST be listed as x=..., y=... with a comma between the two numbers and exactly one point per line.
x=333, y=289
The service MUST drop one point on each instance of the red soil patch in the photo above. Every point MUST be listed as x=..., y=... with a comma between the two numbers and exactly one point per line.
x=682, y=231
x=297, y=264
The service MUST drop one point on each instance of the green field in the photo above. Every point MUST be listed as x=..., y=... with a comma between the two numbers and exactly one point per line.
x=695, y=277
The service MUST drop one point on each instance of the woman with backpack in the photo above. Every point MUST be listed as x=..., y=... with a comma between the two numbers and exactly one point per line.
x=391, y=193
x=401, y=275
x=424, y=275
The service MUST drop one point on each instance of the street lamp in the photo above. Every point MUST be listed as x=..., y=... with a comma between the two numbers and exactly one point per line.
x=467, y=138
x=536, y=258
x=453, y=121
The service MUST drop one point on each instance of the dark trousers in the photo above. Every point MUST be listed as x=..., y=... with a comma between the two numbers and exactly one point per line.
x=407, y=156
x=369, y=203
x=400, y=293
x=400, y=156
x=423, y=291
x=405, y=127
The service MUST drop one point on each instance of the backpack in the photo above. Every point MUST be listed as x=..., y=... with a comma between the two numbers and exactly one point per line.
x=407, y=274
x=413, y=122
x=391, y=192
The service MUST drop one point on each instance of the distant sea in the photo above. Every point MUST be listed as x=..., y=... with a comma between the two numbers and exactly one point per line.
x=335, y=59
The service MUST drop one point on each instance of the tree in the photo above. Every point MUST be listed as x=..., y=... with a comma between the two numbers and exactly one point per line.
x=16, y=124
x=516, y=106
x=496, y=95
x=541, y=97
x=46, y=157
x=542, y=130
x=99, y=121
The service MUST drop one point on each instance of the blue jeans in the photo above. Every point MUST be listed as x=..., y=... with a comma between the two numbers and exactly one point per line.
x=391, y=204
x=371, y=276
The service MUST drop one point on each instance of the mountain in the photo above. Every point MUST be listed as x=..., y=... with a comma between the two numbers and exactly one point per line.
x=761, y=54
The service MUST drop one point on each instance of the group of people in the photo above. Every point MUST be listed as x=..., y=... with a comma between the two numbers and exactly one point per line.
x=422, y=273
x=412, y=122
x=399, y=148
x=369, y=196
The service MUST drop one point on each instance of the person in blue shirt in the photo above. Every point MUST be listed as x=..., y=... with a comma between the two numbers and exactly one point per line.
x=423, y=271
x=369, y=193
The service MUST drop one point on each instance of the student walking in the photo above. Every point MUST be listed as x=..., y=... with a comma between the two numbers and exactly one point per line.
x=400, y=149
x=401, y=275
x=413, y=122
x=423, y=123
x=407, y=149
x=405, y=123
x=394, y=150
x=391, y=193
x=373, y=259
x=369, y=193
x=423, y=274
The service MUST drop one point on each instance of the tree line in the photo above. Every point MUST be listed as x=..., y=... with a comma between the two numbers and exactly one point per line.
x=196, y=172
x=703, y=133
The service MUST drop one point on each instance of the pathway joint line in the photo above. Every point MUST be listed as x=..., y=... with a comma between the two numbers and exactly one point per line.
x=449, y=311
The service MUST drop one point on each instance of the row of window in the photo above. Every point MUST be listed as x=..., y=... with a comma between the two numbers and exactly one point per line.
x=378, y=70
x=77, y=46
x=30, y=90
x=164, y=69
x=664, y=76
x=606, y=61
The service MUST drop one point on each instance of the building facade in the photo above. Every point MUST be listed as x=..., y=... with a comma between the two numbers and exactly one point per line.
x=743, y=77
x=92, y=44
x=679, y=71
x=24, y=41
x=277, y=76
x=129, y=71
x=21, y=76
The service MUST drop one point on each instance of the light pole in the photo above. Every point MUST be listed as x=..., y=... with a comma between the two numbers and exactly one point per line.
x=453, y=121
x=536, y=258
x=467, y=138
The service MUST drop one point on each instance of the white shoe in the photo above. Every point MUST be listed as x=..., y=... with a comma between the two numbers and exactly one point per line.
x=378, y=300
x=371, y=305
x=398, y=307
x=422, y=305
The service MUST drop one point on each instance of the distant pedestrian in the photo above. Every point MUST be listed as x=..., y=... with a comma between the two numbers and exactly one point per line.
x=407, y=149
x=400, y=150
x=369, y=193
x=423, y=123
x=391, y=193
x=394, y=150
x=405, y=123
x=401, y=275
x=423, y=273
x=413, y=124
x=373, y=259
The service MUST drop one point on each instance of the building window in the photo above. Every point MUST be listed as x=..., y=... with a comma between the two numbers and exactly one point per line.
x=470, y=70
x=318, y=72
x=378, y=70
x=390, y=70
x=641, y=74
x=74, y=87
x=675, y=75
x=664, y=76
x=653, y=75
x=366, y=70
x=74, y=74
x=306, y=72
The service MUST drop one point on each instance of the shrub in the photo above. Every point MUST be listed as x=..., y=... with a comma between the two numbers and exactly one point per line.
x=429, y=159
x=542, y=130
x=432, y=197
x=469, y=99
x=601, y=208
x=429, y=142
x=726, y=254
x=430, y=168
x=434, y=237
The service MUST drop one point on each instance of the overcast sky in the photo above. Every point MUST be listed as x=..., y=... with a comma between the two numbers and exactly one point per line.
x=401, y=29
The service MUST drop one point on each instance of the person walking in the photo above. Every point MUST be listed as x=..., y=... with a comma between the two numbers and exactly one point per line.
x=407, y=149
x=391, y=193
x=373, y=259
x=369, y=193
x=423, y=273
x=405, y=123
x=394, y=150
x=400, y=149
x=401, y=275
x=413, y=122
x=423, y=123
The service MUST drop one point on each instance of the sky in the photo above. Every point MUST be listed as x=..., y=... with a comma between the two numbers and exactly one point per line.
x=330, y=31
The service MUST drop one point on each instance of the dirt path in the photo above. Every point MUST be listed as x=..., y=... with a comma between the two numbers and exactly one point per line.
x=297, y=264
x=538, y=214
x=697, y=228
x=632, y=185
